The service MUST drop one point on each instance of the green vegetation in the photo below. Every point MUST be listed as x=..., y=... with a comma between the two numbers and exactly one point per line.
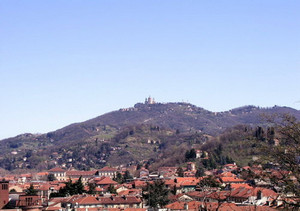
x=111, y=189
x=51, y=177
x=190, y=155
x=156, y=194
x=123, y=178
x=92, y=188
x=31, y=191
x=209, y=182
x=70, y=189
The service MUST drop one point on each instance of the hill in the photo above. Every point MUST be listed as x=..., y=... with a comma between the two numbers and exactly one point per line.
x=143, y=132
x=182, y=116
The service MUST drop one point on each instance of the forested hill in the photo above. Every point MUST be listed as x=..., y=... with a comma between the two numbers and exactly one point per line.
x=143, y=122
x=177, y=116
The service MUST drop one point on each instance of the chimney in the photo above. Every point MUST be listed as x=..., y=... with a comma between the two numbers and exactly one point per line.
x=186, y=206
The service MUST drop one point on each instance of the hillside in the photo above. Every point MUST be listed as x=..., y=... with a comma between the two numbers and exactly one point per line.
x=182, y=116
x=143, y=132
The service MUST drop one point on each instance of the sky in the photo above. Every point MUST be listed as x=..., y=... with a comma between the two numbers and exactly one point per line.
x=65, y=61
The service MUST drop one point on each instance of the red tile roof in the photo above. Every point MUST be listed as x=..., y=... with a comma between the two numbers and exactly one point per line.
x=139, y=184
x=247, y=192
x=227, y=174
x=42, y=173
x=241, y=192
x=240, y=185
x=56, y=169
x=106, y=181
x=80, y=173
x=98, y=209
x=107, y=168
x=120, y=200
x=53, y=208
x=256, y=208
x=86, y=200
x=130, y=192
x=231, y=179
x=210, y=206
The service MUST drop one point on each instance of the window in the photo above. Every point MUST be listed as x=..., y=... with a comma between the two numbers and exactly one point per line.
x=4, y=186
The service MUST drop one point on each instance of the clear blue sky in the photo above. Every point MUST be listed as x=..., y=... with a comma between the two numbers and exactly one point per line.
x=65, y=61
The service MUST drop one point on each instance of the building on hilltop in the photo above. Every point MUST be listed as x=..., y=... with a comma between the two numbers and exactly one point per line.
x=149, y=100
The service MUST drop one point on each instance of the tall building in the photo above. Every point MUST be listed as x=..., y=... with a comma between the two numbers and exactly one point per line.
x=4, y=193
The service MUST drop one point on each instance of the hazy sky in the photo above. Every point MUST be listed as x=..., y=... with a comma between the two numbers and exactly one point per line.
x=65, y=61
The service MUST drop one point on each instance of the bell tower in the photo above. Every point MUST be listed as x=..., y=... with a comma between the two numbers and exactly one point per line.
x=4, y=193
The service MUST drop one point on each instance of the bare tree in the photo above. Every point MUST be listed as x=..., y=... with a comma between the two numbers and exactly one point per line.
x=285, y=156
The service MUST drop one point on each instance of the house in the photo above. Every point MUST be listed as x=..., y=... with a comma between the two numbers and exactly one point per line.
x=139, y=184
x=254, y=196
x=191, y=166
x=82, y=201
x=104, y=182
x=144, y=173
x=197, y=205
x=107, y=172
x=29, y=202
x=181, y=205
x=229, y=180
x=131, y=192
x=167, y=172
x=189, y=173
x=262, y=196
x=209, y=196
x=41, y=176
x=121, y=202
x=59, y=173
x=24, y=178
x=186, y=184
x=230, y=167
x=89, y=202
x=85, y=175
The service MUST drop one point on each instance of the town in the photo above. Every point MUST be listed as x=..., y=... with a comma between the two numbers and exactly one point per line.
x=134, y=188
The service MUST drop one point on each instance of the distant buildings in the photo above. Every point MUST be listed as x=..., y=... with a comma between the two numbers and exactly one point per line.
x=149, y=100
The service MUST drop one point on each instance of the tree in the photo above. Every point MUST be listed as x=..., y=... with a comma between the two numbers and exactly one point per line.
x=199, y=172
x=51, y=177
x=118, y=178
x=12, y=191
x=180, y=172
x=260, y=133
x=156, y=194
x=127, y=176
x=112, y=189
x=190, y=155
x=285, y=156
x=70, y=189
x=210, y=182
x=31, y=191
x=174, y=190
x=92, y=188
x=78, y=186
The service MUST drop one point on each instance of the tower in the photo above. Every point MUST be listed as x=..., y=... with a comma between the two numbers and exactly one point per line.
x=4, y=193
